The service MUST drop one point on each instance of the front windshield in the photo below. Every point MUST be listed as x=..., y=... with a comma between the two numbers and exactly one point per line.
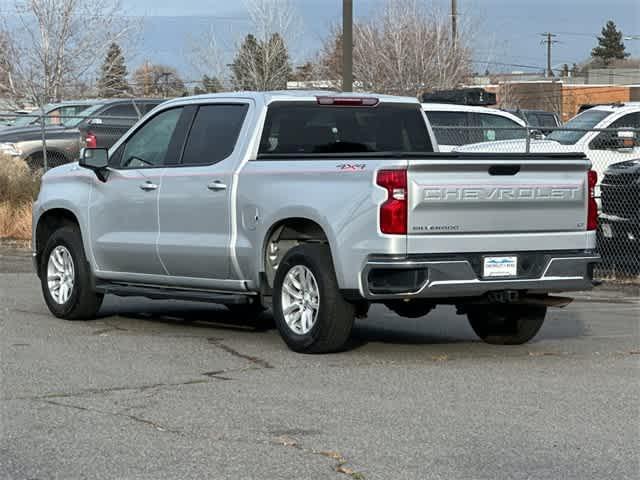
x=66, y=116
x=585, y=121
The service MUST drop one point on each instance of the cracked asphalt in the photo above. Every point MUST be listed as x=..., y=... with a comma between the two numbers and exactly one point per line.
x=175, y=390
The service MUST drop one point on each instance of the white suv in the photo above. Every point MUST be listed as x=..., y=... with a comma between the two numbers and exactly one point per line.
x=582, y=134
x=480, y=124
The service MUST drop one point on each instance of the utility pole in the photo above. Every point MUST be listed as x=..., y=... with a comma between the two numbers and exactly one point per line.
x=347, y=45
x=549, y=40
x=454, y=22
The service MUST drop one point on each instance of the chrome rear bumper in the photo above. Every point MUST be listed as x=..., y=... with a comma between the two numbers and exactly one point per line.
x=459, y=276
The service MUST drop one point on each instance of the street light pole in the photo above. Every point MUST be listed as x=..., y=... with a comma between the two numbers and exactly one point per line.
x=347, y=45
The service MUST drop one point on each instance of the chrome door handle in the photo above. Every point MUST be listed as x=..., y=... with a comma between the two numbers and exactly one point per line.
x=148, y=186
x=216, y=186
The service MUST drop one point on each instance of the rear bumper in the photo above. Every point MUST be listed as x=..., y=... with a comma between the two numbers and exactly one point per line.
x=424, y=276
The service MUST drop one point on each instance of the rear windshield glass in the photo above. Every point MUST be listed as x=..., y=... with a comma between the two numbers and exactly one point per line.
x=307, y=128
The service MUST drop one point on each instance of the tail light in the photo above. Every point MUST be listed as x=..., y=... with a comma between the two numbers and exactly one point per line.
x=348, y=101
x=592, y=210
x=393, y=212
x=91, y=141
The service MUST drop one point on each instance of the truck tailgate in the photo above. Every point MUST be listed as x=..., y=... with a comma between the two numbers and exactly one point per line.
x=489, y=196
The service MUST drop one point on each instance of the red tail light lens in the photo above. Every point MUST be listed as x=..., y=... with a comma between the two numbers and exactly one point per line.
x=393, y=212
x=592, y=211
x=91, y=141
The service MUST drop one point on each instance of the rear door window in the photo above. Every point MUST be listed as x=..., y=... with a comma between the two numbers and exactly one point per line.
x=124, y=113
x=214, y=133
x=446, y=127
x=308, y=128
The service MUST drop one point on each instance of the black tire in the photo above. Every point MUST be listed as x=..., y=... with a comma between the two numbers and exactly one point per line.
x=335, y=316
x=35, y=161
x=83, y=303
x=412, y=309
x=507, y=324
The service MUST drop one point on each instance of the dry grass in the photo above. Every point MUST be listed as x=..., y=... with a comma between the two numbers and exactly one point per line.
x=18, y=188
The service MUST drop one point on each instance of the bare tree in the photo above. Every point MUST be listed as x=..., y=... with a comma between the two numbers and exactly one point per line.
x=405, y=50
x=55, y=44
x=154, y=80
x=206, y=55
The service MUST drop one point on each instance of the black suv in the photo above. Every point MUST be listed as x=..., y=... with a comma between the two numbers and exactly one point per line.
x=619, y=231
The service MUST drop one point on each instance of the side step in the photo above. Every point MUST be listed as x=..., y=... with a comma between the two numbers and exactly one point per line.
x=159, y=293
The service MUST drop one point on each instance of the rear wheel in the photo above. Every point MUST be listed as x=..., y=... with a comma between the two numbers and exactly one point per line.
x=66, y=278
x=310, y=312
x=507, y=324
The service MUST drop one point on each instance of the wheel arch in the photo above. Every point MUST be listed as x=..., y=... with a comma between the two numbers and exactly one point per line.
x=47, y=223
x=285, y=234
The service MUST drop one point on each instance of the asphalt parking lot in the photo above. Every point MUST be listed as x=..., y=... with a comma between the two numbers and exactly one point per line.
x=173, y=390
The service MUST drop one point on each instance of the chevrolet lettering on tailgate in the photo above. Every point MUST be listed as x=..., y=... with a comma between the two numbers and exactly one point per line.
x=476, y=193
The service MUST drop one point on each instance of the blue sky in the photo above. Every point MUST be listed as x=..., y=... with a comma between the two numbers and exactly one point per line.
x=507, y=30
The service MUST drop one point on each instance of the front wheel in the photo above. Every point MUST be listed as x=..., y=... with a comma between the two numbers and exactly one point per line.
x=310, y=313
x=66, y=278
x=507, y=324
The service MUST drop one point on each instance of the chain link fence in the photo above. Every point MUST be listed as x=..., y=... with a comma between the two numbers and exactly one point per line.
x=615, y=156
x=45, y=141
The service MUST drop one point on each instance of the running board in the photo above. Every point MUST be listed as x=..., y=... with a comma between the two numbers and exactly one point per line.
x=159, y=293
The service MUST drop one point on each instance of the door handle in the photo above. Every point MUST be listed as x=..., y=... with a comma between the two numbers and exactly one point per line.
x=148, y=186
x=216, y=186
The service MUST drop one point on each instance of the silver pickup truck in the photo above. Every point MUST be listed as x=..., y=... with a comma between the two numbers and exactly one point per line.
x=317, y=205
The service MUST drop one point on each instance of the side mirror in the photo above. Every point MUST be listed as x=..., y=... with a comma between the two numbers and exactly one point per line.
x=95, y=121
x=537, y=134
x=96, y=159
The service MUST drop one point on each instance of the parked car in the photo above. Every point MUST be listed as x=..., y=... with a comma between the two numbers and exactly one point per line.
x=58, y=114
x=64, y=140
x=578, y=135
x=544, y=121
x=480, y=124
x=319, y=204
x=619, y=232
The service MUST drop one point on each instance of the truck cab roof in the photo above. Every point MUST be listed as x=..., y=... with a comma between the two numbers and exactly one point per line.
x=288, y=95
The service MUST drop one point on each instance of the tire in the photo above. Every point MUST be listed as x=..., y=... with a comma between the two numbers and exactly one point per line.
x=82, y=303
x=507, y=324
x=330, y=324
x=35, y=161
x=413, y=309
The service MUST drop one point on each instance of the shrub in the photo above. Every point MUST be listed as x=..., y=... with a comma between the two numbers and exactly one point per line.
x=19, y=186
x=18, y=183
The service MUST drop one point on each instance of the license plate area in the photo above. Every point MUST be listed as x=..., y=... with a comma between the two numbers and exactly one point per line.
x=504, y=266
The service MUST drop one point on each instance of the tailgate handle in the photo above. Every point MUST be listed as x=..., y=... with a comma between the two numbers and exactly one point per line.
x=504, y=169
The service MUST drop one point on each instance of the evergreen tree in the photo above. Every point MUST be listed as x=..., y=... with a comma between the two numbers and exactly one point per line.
x=244, y=64
x=261, y=65
x=610, y=46
x=211, y=84
x=113, y=78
